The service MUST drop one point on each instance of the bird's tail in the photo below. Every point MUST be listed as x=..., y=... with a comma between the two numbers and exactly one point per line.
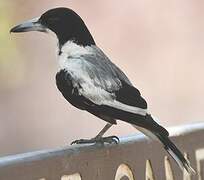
x=176, y=154
x=147, y=125
x=171, y=148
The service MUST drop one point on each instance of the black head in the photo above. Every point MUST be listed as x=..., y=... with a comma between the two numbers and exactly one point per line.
x=64, y=22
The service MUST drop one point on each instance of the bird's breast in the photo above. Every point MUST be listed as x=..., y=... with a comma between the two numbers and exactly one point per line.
x=70, y=90
x=64, y=83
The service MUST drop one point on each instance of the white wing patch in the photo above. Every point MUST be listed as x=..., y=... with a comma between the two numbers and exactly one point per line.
x=125, y=107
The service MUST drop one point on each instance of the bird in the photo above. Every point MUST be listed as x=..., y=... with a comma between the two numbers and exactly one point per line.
x=90, y=81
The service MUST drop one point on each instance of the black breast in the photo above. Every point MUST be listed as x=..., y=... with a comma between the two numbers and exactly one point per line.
x=64, y=83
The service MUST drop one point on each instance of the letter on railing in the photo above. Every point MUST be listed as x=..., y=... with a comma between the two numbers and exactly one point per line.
x=199, y=157
x=75, y=176
x=124, y=171
x=149, y=172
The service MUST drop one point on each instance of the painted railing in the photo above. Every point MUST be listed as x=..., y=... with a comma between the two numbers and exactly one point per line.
x=134, y=158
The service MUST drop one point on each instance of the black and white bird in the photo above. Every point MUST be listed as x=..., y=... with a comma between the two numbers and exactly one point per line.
x=90, y=81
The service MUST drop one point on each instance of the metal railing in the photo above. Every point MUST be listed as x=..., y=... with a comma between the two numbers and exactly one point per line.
x=134, y=158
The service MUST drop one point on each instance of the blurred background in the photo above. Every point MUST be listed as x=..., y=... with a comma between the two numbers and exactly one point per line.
x=159, y=44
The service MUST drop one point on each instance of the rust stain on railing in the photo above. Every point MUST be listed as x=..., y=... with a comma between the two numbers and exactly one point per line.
x=135, y=158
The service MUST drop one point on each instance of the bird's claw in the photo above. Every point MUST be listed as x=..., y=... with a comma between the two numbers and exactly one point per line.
x=101, y=140
x=110, y=139
x=82, y=141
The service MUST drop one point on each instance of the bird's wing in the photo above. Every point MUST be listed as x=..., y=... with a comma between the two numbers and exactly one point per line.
x=104, y=83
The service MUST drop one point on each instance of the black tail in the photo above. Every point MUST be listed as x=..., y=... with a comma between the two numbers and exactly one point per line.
x=175, y=153
x=151, y=128
x=163, y=135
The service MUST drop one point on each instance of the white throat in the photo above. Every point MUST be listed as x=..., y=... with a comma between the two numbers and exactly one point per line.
x=71, y=51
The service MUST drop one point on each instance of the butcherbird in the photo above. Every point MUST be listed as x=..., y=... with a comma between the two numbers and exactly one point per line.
x=90, y=81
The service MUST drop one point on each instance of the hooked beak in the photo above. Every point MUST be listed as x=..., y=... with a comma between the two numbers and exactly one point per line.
x=30, y=25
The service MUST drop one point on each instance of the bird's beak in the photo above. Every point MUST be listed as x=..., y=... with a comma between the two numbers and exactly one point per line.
x=30, y=25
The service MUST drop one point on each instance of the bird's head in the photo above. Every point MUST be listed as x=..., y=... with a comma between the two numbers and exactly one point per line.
x=64, y=22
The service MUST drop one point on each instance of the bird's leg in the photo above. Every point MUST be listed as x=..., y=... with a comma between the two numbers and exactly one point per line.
x=99, y=138
x=103, y=131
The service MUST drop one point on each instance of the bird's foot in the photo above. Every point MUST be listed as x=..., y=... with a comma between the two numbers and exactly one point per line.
x=101, y=140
